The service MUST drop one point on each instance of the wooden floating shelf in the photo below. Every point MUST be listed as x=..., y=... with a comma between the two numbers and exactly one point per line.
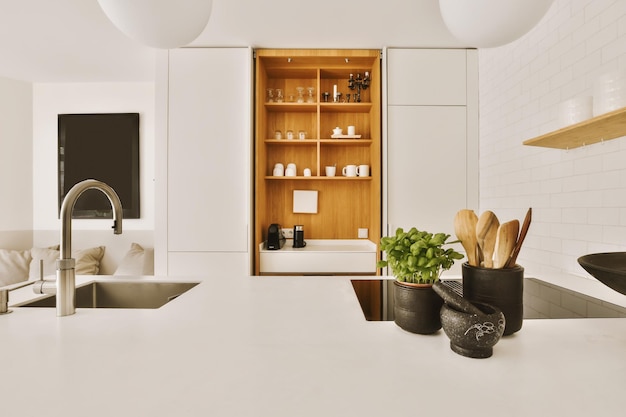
x=601, y=128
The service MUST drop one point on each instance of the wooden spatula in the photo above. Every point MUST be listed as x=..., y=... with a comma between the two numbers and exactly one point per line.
x=505, y=241
x=486, y=232
x=465, y=229
x=522, y=235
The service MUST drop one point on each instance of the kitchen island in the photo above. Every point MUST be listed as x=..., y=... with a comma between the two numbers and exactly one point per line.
x=294, y=346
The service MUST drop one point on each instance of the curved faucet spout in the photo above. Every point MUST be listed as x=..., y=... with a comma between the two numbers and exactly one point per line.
x=66, y=274
x=67, y=207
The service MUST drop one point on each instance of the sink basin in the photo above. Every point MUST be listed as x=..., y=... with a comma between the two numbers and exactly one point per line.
x=122, y=294
x=608, y=268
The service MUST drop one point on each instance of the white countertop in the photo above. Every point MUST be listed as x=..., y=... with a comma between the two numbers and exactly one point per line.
x=294, y=346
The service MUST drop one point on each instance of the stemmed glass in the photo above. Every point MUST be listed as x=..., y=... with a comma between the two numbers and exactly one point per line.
x=310, y=98
x=300, y=91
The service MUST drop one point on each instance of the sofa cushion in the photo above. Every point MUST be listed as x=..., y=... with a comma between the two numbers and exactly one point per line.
x=137, y=261
x=13, y=266
x=87, y=261
x=49, y=256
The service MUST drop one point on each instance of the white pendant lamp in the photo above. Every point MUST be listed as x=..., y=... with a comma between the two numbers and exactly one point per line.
x=162, y=24
x=491, y=23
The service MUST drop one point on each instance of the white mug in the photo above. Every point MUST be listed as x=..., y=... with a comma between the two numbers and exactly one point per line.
x=307, y=172
x=279, y=172
x=349, y=171
x=291, y=165
x=363, y=171
x=351, y=130
x=330, y=171
x=290, y=172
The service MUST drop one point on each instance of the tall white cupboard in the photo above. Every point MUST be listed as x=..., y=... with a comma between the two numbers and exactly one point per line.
x=203, y=202
x=431, y=152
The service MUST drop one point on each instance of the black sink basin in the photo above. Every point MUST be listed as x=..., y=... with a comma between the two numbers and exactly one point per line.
x=608, y=268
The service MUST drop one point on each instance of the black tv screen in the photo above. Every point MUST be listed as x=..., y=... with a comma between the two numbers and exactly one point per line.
x=103, y=147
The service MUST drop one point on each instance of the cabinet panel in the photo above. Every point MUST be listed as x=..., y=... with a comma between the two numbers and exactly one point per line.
x=220, y=265
x=427, y=166
x=427, y=76
x=209, y=149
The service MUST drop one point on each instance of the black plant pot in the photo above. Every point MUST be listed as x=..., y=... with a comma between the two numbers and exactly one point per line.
x=416, y=308
x=502, y=288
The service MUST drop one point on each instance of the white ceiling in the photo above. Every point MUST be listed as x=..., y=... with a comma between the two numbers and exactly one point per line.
x=73, y=41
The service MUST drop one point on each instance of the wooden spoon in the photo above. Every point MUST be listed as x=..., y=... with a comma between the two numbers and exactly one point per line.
x=522, y=235
x=486, y=232
x=465, y=229
x=505, y=241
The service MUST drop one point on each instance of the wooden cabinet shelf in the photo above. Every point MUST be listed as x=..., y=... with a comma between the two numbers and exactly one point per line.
x=314, y=142
x=296, y=107
x=318, y=178
x=345, y=204
x=604, y=127
x=346, y=107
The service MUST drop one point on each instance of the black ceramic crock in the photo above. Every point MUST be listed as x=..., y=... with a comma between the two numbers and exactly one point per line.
x=502, y=288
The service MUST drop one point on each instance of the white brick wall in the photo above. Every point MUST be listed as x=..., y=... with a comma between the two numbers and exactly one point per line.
x=578, y=196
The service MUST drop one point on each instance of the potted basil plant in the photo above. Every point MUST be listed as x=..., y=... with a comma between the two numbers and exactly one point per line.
x=417, y=259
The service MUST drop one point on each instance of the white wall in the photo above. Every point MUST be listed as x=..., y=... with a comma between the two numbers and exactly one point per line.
x=578, y=196
x=16, y=178
x=49, y=100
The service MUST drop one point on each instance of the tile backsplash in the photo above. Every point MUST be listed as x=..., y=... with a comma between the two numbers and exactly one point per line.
x=578, y=196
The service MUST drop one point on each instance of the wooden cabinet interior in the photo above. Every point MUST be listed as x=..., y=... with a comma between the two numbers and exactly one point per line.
x=345, y=204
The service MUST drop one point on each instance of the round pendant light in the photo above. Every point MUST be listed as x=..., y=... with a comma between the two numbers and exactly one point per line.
x=162, y=24
x=491, y=23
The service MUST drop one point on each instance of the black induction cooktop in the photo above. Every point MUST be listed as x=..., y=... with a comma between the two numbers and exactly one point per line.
x=542, y=300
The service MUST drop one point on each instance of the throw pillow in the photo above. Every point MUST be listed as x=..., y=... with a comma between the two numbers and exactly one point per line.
x=137, y=261
x=49, y=256
x=87, y=261
x=13, y=266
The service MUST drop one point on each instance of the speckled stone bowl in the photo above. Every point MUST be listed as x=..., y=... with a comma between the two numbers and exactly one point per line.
x=473, y=335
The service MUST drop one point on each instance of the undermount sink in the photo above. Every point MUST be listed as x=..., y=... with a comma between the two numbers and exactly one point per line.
x=122, y=294
x=609, y=268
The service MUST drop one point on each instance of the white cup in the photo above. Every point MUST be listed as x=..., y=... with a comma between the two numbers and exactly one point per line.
x=307, y=172
x=290, y=172
x=351, y=130
x=337, y=131
x=330, y=171
x=349, y=171
x=363, y=171
x=291, y=165
x=279, y=172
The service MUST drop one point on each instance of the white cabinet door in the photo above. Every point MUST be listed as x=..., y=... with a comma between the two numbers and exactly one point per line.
x=427, y=76
x=209, y=142
x=427, y=167
x=431, y=158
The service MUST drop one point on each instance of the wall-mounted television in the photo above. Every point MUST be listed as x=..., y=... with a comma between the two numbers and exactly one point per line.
x=105, y=147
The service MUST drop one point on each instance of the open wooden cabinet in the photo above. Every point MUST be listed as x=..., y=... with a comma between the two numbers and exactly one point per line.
x=290, y=96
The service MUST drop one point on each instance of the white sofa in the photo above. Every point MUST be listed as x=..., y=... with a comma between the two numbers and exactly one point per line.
x=96, y=252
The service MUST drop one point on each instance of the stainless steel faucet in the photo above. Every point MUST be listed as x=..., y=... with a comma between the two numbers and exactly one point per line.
x=66, y=274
